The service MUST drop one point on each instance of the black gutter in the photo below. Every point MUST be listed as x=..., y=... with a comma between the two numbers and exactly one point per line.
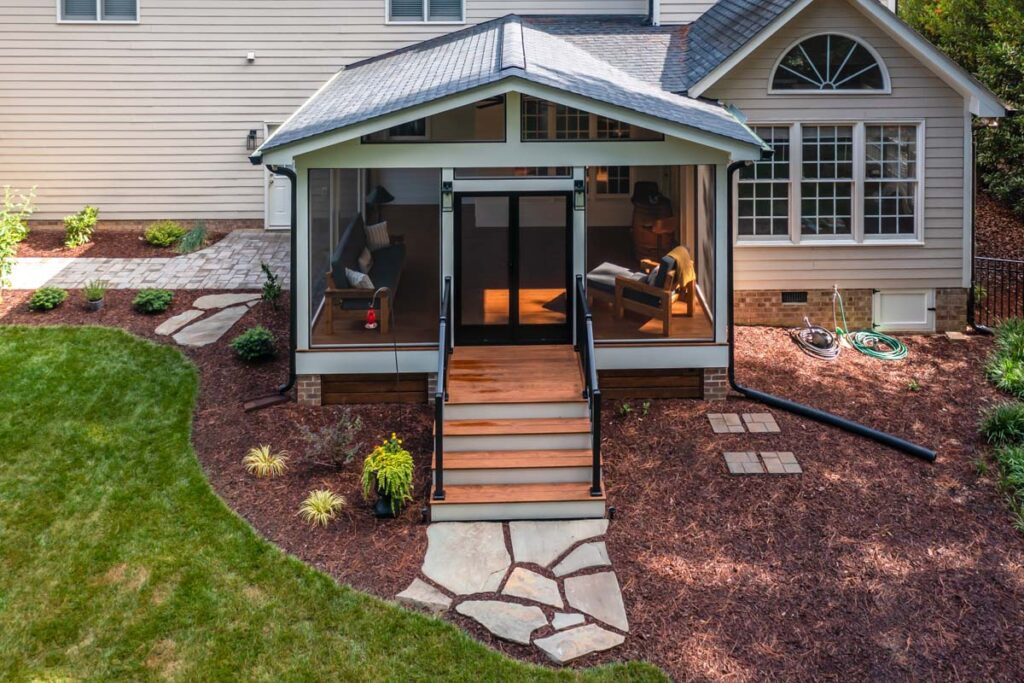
x=293, y=297
x=782, y=403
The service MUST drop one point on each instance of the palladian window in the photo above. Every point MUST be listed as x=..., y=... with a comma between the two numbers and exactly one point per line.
x=828, y=63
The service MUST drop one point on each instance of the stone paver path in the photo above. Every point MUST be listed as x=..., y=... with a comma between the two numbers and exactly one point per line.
x=781, y=462
x=744, y=462
x=557, y=601
x=725, y=423
x=772, y=462
x=229, y=309
x=231, y=263
x=761, y=423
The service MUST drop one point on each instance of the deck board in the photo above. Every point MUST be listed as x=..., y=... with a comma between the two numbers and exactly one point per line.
x=516, y=493
x=514, y=374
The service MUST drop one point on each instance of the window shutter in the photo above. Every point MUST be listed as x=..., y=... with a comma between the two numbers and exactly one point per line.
x=407, y=10
x=445, y=10
x=120, y=9
x=78, y=9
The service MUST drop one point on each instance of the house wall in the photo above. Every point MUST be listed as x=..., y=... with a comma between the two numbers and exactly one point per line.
x=683, y=12
x=149, y=120
x=917, y=95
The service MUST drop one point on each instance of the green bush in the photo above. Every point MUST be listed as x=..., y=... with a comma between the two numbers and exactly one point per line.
x=78, y=227
x=985, y=37
x=164, y=233
x=1005, y=368
x=14, y=213
x=94, y=290
x=389, y=470
x=152, y=301
x=271, y=286
x=47, y=298
x=255, y=344
x=1004, y=424
x=193, y=240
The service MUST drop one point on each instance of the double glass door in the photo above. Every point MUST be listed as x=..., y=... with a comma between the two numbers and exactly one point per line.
x=512, y=258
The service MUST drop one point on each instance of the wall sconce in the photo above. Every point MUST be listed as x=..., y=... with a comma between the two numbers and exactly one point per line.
x=579, y=193
x=447, y=196
x=251, y=140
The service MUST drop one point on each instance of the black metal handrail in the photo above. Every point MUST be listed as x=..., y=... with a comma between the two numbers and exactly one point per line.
x=998, y=290
x=584, y=323
x=444, y=349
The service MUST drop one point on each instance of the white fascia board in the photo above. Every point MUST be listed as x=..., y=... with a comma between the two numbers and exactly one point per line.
x=698, y=88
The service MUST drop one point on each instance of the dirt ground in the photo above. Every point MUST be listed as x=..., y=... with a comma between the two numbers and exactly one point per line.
x=106, y=243
x=869, y=566
x=999, y=233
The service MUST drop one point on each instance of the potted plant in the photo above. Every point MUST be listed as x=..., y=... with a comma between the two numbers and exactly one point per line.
x=388, y=470
x=93, y=293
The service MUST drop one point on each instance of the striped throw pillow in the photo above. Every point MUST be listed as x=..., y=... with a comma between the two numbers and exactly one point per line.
x=377, y=236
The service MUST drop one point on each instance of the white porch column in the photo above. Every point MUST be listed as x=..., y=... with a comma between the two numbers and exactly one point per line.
x=722, y=238
x=300, y=278
x=447, y=254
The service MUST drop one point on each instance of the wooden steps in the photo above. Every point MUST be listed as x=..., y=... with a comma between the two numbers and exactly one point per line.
x=517, y=467
x=516, y=426
x=517, y=501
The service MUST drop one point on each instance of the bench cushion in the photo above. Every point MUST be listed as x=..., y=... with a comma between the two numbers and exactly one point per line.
x=387, y=267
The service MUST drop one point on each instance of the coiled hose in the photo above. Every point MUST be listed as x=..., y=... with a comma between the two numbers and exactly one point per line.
x=870, y=343
x=816, y=341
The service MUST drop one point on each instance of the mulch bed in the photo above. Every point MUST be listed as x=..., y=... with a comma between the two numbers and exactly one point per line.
x=998, y=231
x=870, y=566
x=106, y=243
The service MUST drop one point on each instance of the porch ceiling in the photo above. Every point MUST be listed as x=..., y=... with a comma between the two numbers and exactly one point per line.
x=506, y=48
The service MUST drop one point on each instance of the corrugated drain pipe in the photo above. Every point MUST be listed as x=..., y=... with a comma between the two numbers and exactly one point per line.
x=782, y=403
x=292, y=296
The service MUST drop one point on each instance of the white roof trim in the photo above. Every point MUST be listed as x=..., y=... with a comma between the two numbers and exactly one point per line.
x=981, y=101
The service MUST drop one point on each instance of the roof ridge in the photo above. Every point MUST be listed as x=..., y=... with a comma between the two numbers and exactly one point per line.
x=513, y=52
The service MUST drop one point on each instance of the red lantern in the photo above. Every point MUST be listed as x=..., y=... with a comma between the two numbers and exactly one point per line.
x=371, y=319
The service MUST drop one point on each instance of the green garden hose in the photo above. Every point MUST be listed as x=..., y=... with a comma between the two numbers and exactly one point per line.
x=870, y=343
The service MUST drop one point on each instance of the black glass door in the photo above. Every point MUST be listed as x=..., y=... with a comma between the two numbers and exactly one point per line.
x=512, y=267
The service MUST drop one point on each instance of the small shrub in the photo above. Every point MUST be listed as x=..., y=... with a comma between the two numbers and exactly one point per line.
x=1005, y=369
x=389, y=470
x=1004, y=424
x=193, y=240
x=263, y=462
x=1011, y=470
x=78, y=227
x=271, y=286
x=625, y=409
x=94, y=290
x=47, y=298
x=321, y=506
x=256, y=343
x=164, y=233
x=14, y=213
x=152, y=301
x=335, y=444
x=913, y=385
x=645, y=408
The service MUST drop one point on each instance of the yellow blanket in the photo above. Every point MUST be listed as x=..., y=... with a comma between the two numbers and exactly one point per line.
x=686, y=274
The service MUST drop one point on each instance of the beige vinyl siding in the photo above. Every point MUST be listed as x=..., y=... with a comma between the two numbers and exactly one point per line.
x=683, y=12
x=917, y=94
x=149, y=120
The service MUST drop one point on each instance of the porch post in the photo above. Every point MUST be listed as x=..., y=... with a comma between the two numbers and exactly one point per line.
x=579, y=238
x=300, y=278
x=447, y=254
x=722, y=238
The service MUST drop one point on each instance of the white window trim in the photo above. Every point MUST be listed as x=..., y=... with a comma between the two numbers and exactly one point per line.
x=614, y=195
x=99, y=16
x=419, y=22
x=857, y=237
x=886, y=83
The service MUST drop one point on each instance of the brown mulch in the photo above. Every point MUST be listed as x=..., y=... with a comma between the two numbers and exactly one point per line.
x=106, y=243
x=998, y=231
x=870, y=566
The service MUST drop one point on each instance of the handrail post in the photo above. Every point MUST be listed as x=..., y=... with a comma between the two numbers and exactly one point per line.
x=595, y=476
x=441, y=391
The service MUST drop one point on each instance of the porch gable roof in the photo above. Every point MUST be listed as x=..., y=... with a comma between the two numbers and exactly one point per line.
x=509, y=47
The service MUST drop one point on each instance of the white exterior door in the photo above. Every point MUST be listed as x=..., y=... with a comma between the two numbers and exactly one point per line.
x=279, y=202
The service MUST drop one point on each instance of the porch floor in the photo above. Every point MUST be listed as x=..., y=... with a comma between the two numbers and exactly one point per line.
x=514, y=374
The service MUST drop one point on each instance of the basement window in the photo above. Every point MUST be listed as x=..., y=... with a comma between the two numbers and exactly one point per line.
x=99, y=10
x=794, y=297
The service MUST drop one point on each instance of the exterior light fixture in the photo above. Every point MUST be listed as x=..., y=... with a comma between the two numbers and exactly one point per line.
x=579, y=193
x=250, y=140
x=447, y=196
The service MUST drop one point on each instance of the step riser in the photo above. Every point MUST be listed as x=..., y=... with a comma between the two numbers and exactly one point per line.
x=535, y=475
x=516, y=442
x=472, y=512
x=511, y=411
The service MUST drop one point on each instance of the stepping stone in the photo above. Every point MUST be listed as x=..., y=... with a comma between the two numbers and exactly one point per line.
x=565, y=620
x=466, y=558
x=532, y=586
x=569, y=645
x=956, y=336
x=544, y=542
x=599, y=596
x=725, y=423
x=587, y=555
x=745, y=462
x=761, y=423
x=506, y=620
x=223, y=300
x=781, y=462
x=209, y=330
x=173, y=324
x=421, y=595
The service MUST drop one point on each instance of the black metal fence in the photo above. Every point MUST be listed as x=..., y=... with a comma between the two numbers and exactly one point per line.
x=998, y=290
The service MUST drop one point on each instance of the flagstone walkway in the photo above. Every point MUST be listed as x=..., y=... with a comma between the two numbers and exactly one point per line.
x=231, y=263
x=550, y=584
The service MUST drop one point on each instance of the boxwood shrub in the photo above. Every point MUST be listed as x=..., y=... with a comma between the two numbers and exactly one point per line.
x=152, y=301
x=47, y=298
x=255, y=344
x=164, y=233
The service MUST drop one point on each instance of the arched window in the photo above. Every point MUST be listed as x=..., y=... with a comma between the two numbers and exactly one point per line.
x=828, y=63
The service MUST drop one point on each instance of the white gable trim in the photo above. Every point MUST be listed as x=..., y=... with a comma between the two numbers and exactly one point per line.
x=981, y=101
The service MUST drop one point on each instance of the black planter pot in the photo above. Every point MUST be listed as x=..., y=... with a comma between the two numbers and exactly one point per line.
x=382, y=509
x=94, y=305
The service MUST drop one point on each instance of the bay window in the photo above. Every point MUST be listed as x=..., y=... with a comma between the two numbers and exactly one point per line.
x=826, y=181
x=763, y=189
x=890, y=180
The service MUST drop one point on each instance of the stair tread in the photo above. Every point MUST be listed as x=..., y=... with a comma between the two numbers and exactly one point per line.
x=516, y=493
x=485, y=460
x=526, y=425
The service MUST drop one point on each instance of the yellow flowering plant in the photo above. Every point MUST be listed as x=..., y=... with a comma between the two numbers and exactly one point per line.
x=389, y=469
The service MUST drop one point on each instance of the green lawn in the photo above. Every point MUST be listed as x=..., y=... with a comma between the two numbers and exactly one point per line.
x=118, y=562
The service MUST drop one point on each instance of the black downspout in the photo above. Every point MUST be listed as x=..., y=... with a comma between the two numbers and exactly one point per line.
x=292, y=294
x=971, y=303
x=782, y=403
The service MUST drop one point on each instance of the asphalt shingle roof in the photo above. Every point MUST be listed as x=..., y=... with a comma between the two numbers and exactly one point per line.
x=616, y=60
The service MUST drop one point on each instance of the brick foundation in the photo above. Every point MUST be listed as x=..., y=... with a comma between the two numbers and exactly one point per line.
x=716, y=384
x=765, y=307
x=310, y=390
x=951, y=309
x=210, y=223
